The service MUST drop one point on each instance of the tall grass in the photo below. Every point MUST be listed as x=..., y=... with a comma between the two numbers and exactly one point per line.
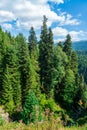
x=41, y=126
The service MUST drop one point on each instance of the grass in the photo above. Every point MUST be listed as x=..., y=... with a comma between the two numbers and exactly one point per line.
x=39, y=126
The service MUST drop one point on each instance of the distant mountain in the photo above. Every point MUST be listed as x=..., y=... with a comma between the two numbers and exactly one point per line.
x=80, y=45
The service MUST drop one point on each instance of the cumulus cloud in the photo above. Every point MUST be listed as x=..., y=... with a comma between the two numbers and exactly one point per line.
x=62, y=32
x=67, y=19
x=78, y=35
x=59, y=31
x=7, y=26
x=30, y=12
x=6, y=16
x=27, y=13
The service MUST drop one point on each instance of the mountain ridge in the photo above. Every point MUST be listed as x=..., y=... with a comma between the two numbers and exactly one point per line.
x=80, y=45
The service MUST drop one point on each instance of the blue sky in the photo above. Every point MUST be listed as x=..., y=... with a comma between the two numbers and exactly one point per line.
x=64, y=16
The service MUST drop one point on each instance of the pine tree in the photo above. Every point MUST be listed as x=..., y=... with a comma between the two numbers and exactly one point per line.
x=33, y=51
x=32, y=43
x=68, y=46
x=60, y=44
x=2, y=53
x=46, y=58
x=11, y=61
x=69, y=89
x=30, y=111
x=7, y=92
x=60, y=61
x=15, y=79
x=24, y=65
x=74, y=62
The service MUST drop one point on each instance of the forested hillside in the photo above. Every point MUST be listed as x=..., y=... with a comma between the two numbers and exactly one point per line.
x=82, y=61
x=37, y=77
x=80, y=45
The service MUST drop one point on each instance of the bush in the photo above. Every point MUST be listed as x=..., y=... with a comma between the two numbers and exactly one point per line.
x=30, y=111
x=82, y=121
x=52, y=105
x=1, y=121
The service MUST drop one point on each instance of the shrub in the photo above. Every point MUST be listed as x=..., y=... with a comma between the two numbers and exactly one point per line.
x=1, y=121
x=30, y=111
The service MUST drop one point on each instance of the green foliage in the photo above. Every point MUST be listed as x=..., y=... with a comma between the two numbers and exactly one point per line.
x=68, y=46
x=82, y=63
x=52, y=105
x=30, y=108
x=46, y=59
x=12, y=61
x=24, y=65
x=48, y=103
x=51, y=72
x=74, y=62
x=34, y=70
x=82, y=121
x=1, y=121
x=69, y=88
x=60, y=61
x=7, y=92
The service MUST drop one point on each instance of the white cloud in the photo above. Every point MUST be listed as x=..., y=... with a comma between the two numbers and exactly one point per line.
x=60, y=34
x=6, y=16
x=27, y=13
x=78, y=35
x=58, y=1
x=59, y=31
x=67, y=19
x=30, y=12
x=7, y=26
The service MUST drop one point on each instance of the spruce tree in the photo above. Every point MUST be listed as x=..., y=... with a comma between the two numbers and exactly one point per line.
x=30, y=111
x=69, y=89
x=46, y=58
x=11, y=61
x=15, y=79
x=24, y=65
x=74, y=62
x=33, y=51
x=7, y=91
x=60, y=61
x=2, y=54
x=68, y=46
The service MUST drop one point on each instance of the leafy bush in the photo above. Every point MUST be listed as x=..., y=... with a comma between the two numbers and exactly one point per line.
x=49, y=103
x=1, y=121
x=30, y=111
x=82, y=120
x=52, y=105
x=43, y=101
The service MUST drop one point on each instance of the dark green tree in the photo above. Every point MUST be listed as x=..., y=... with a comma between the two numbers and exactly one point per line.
x=33, y=50
x=74, y=62
x=60, y=44
x=30, y=111
x=46, y=58
x=60, y=61
x=7, y=92
x=2, y=53
x=68, y=46
x=11, y=61
x=69, y=89
x=24, y=65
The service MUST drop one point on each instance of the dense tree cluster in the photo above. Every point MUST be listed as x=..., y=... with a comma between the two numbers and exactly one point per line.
x=32, y=70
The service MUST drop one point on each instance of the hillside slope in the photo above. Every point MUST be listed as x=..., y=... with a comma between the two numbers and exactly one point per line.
x=80, y=45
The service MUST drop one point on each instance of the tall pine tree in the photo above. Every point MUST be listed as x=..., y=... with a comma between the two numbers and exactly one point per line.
x=68, y=46
x=7, y=91
x=46, y=58
x=33, y=51
x=24, y=65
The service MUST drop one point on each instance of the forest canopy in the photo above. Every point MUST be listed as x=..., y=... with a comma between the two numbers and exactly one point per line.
x=38, y=74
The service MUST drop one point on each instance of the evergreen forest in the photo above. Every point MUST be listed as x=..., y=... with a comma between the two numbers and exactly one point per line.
x=38, y=79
